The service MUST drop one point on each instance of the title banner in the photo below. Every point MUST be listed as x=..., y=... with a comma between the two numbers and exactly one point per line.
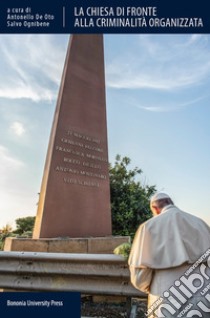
x=86, y=16
x=42, y=304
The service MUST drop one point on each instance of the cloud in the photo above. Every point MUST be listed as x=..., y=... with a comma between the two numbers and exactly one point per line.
x=166, y=107
x=18, y=198
x=7, y=161
x=31, y=66
x=8, y=164
x=161, y=62
x=11, y=171
x=18, y=128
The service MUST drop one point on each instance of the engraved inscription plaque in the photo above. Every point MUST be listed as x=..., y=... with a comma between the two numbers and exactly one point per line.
x=75, y=193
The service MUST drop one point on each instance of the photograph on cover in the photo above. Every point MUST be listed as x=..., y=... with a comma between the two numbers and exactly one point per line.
x=100, y=134
x=157, y=113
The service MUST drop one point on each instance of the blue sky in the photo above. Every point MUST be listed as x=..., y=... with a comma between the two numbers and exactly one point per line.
x=158, y=110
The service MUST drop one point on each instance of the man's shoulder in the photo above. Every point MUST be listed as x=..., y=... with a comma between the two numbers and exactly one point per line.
x=172, y=215
x=188, y=216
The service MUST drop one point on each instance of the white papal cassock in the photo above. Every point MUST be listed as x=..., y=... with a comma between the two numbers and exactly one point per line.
x=164, y=249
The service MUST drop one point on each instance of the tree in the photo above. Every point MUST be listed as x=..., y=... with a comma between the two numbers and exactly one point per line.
x=4, y=233
x=129, y=198
x=7, y=229
x=24, y=225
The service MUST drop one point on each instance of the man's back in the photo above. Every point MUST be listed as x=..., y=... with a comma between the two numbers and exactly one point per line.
x=171, y=239
x=163, y=258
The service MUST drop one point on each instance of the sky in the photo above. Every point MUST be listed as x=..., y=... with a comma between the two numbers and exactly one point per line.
x=158, y=110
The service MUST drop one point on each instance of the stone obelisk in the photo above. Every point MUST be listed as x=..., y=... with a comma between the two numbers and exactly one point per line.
x=75, y=192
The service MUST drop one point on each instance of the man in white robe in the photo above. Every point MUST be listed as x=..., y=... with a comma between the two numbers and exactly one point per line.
x=163, y=251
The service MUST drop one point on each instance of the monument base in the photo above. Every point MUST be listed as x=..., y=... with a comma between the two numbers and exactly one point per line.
x=90, y=245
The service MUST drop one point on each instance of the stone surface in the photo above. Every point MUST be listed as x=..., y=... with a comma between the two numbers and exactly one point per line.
x=100, y=245
x=26, y=245
x=67, y=246
x=75, y=192
x=105, y=245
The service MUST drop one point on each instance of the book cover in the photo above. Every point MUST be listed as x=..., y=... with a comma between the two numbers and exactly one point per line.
x=101, y=106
